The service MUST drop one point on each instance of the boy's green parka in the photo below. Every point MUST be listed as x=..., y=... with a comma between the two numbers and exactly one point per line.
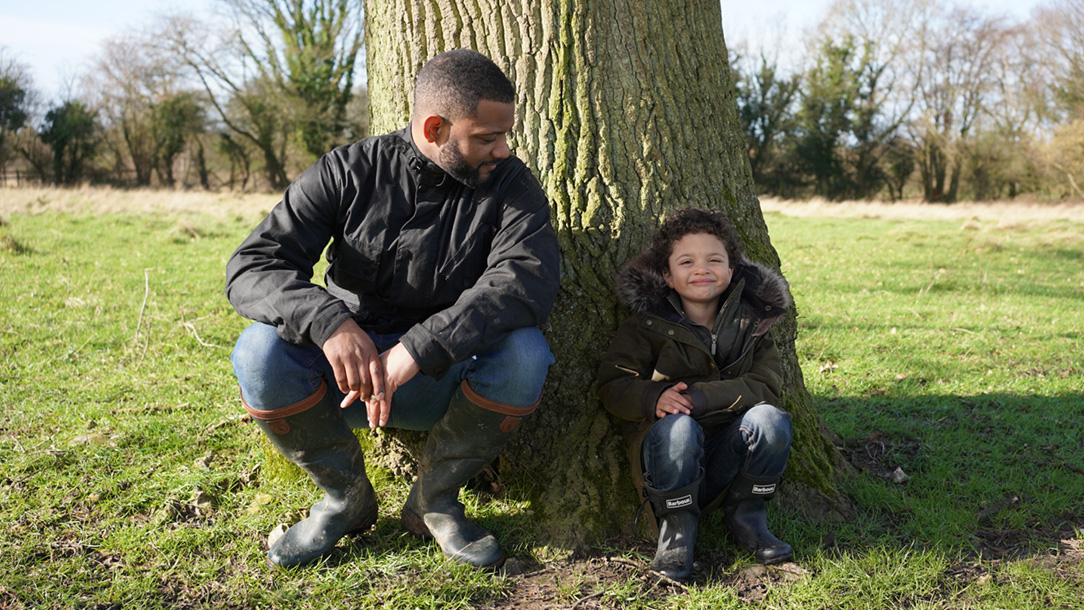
x=655, y=349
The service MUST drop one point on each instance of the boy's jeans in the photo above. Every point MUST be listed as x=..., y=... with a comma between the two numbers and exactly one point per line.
x=274, y=373
x=757, y=443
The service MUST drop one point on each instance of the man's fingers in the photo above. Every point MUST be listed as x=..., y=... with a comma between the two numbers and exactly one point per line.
x=376, y=375
x=349, y=399
x=385, y=411
x=372, y=412
x=340, y=375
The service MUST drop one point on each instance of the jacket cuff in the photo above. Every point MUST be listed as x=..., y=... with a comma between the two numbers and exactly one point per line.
x=432, y=359
x=700, y=402
x=326, y=324
x=651, y=397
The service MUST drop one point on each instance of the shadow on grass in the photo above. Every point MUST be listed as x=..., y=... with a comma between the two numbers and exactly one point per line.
x=978, y=480
x=996, y=476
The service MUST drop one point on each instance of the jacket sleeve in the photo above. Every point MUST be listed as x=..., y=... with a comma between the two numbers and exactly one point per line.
x=516, y=290
x=719, y=401
x=624, y=377
x=269, y=277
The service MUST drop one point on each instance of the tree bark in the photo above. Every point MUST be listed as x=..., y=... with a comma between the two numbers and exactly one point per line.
x=626, y=112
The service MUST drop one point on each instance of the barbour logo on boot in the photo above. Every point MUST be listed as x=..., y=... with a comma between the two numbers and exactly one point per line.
x=764, y=489
x=679, y=502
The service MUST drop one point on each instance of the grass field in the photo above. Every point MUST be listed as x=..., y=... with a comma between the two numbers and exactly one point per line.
x=943, y=346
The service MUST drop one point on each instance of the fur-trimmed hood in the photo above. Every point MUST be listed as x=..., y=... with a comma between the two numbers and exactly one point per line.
x=644, y=290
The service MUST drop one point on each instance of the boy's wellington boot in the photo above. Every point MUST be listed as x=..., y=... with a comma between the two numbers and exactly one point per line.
x=677, y=512
x=314, y=435
x=747, y=520
x=467, y=439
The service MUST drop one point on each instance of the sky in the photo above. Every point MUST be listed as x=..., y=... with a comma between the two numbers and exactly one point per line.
x=59, y=39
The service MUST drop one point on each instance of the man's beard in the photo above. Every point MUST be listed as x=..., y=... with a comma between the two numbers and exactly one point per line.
x=451, y=160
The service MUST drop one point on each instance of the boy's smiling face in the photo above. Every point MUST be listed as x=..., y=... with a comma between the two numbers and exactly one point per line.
x=699, y=269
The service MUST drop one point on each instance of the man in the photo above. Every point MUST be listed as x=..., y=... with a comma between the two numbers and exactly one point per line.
x=443, y=265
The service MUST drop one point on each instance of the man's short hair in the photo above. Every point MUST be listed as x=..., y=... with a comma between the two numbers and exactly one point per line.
x=452, y=83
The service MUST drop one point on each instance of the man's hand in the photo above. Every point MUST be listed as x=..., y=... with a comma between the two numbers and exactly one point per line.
x=672, y=401
x=399, y=368
x=358, y=369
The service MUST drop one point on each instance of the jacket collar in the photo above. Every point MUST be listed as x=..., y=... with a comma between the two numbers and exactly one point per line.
x=421, y=167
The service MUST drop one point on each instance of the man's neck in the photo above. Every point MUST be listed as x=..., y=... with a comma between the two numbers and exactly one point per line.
x=429, y=150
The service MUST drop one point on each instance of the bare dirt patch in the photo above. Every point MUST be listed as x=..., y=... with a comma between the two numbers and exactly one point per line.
x=600, y=581
x=880, y=454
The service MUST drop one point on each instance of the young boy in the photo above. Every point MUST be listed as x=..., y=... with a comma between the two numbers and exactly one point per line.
x=693, y=375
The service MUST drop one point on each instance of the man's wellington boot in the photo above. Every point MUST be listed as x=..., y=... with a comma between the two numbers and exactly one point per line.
x=677, y=511
x=314, y=435
x=747, y=519
x=467, y=439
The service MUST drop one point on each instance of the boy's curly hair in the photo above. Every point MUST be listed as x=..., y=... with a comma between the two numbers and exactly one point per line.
x=687, y=222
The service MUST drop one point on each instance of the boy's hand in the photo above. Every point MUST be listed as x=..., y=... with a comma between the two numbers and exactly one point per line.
x=672, y=401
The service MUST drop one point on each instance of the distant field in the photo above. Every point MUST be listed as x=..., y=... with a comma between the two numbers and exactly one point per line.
x=943, y=344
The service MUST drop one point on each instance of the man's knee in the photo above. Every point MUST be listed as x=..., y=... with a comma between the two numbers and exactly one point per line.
x=525, y=351
x=513, y=371
x=271, y=372
x=252, y=355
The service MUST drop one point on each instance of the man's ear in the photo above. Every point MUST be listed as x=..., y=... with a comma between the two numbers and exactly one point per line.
x=433, y=127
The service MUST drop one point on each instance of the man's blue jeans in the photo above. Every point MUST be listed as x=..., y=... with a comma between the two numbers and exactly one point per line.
x=274, y=373
x=757, y=444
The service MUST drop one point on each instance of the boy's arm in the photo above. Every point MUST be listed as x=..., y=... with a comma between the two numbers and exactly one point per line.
x=719, y=401
x=624, y=377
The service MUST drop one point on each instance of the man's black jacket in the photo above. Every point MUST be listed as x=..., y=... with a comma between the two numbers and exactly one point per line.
x=412, y=250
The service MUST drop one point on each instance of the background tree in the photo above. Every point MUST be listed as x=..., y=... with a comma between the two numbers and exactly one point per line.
x=624, y=120
x=953, y=79
x=15, y=98
x=765, y=96
x=881, y=32
x=238, y=157
x=1006, y=161
x=1061, y=36
x=71, y=131
x=178, y=120
x=149, y=116
x=826, y=116
x=898, y=165
x=283, y=71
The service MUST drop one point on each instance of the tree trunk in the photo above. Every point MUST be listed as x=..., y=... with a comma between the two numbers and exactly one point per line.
x=625, y=112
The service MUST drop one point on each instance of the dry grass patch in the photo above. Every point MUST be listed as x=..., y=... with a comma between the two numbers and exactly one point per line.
x=106, y=200
x=1004, y=214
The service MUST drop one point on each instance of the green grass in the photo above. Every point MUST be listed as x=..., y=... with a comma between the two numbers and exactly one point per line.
x=128, y=479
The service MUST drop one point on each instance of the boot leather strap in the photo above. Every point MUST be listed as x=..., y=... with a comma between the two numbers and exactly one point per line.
x=276, y=418
x=513, y=414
